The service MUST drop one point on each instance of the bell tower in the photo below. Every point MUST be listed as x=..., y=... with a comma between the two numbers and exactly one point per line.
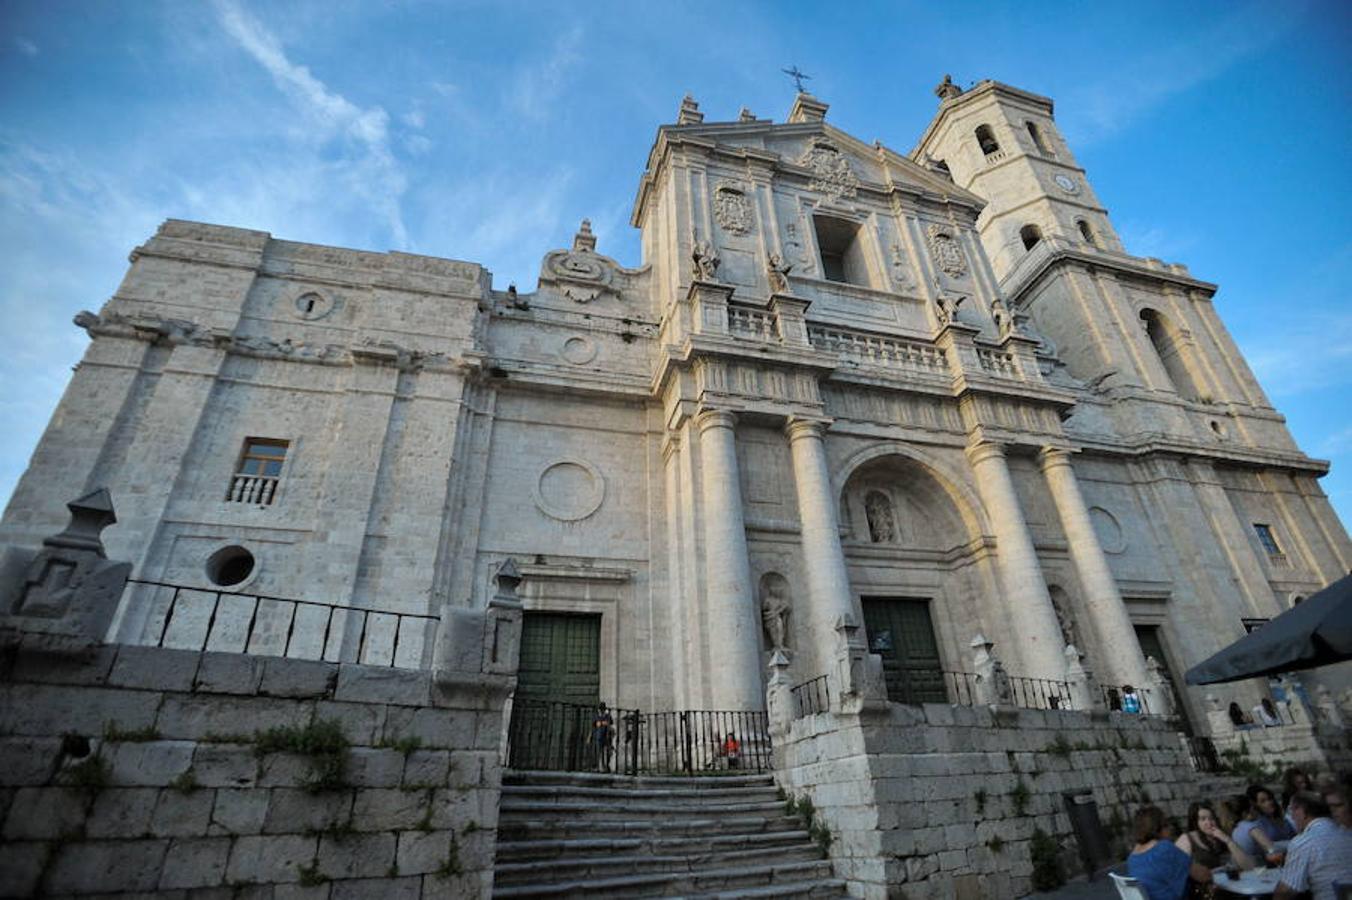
x=1002, y=144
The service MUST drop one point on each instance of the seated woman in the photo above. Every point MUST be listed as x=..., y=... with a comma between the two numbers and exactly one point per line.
x=1208, y=845
x=1247, y=835
x=1271, y=820
x=1162, y=869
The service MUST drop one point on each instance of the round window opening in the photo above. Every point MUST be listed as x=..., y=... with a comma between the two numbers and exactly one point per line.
x=230, y=566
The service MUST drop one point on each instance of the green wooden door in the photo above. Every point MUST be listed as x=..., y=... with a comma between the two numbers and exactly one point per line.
x=558, y=688
x=902, y=633
x=560, y=658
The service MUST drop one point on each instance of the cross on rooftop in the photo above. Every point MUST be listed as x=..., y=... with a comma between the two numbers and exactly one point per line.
x=797, y=77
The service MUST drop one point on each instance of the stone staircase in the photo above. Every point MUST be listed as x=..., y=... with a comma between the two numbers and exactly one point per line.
x=566, y=834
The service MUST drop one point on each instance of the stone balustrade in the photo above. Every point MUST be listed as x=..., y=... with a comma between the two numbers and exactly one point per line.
x=892, y=353
x=753, y=323
x=999, y=363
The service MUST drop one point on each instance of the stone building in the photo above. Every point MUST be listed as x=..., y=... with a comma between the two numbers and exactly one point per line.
x=930, y=392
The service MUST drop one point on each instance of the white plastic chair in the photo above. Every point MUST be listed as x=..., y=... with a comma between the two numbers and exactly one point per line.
x=1128, y=888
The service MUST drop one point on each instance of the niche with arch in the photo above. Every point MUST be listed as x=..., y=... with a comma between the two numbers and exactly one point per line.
x=1030, y=235
x=1171, y=351
x=985, y=139
x=902, y=504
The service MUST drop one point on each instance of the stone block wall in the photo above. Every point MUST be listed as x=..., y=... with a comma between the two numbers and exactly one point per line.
x=940, y=801
x=136, y=770
x=1322, y=747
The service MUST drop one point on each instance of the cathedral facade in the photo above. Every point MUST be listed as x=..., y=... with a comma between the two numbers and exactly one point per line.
x=927, y=392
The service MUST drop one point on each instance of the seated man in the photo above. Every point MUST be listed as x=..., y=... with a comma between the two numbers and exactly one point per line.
x=1320, y=855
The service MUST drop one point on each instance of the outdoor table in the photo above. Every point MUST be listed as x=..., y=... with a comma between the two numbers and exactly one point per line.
x=1253, y=883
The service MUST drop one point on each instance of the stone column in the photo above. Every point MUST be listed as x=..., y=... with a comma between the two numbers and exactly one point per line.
x=1118, y=647
x=733, y=619
x=1031, y=610
x=828, y=583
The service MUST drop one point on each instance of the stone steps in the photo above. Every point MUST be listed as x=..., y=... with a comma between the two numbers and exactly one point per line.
x=652, y=842
x=583, y=834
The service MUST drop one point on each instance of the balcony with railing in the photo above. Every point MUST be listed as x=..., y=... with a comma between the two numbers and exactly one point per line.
x=752, y=323
x=998, y=363
x=887, y=352
x=256, y=490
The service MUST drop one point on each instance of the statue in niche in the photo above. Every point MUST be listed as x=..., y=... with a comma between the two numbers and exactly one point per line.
x=705, y=261
x=1004, y=322
x=882, y=523
x=779, y=274
x=775, y=606
x=948, y=306
x=1060, y=603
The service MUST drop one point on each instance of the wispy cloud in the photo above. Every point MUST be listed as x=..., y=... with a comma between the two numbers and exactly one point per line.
x=1145, y=239
x=1103, y=108
x=26, y=47
x=1312, y=354
x=536, y=87
x=373, y=173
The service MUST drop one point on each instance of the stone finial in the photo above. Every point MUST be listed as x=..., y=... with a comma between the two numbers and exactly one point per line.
x=89, y=515
x=68, y=590
x=807, y=108
x=745, y=115
x=947, y=90
x=689, y=113
x=507, y=578
x=584, y=241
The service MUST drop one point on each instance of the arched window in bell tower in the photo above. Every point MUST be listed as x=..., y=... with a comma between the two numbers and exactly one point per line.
x=1086, y=232
x=1030, y=235
x=985, y=138
x=1036, y=135
x=1168, y=344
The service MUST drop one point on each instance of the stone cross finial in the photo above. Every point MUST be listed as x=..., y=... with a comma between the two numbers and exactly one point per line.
x=745, y=115
x=584, y=241
x=689, y=113
x=947, y=90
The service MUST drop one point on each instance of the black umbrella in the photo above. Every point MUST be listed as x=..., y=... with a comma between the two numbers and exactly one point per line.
x=1315, y=632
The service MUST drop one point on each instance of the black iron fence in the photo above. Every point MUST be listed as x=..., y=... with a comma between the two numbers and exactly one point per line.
x=193, y=618
x=553, y=735
x=1202, y=753
x=1118, y=699
x=812, y=697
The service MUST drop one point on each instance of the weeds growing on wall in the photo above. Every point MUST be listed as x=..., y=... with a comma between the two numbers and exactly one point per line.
x=1045, y=853
x=322, y=741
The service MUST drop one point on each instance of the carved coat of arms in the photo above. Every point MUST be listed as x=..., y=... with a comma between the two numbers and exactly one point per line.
x=947, y=254
x=732, y=211
x=831, y=172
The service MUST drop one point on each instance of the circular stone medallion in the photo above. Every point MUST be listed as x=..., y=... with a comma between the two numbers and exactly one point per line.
x=578, y=350
x=569, y=489
x=1108, y=529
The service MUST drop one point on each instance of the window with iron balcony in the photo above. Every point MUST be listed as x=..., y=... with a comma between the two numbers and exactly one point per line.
x=259, y=471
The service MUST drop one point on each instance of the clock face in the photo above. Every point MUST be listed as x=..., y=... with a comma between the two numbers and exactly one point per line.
x=1067, y=184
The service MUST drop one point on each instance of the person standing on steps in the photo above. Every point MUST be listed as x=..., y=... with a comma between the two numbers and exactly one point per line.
x=603, y=737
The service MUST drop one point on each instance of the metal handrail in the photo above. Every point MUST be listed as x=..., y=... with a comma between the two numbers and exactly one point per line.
x=564, y=736
x=812, y=697
x=348, y=633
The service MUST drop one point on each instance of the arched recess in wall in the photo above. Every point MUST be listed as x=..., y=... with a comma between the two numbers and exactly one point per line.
x=1030, y=235
x=909, y=477
x=1172, y=353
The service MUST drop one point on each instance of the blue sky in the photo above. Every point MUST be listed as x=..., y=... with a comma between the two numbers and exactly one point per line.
x=1216, y=133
